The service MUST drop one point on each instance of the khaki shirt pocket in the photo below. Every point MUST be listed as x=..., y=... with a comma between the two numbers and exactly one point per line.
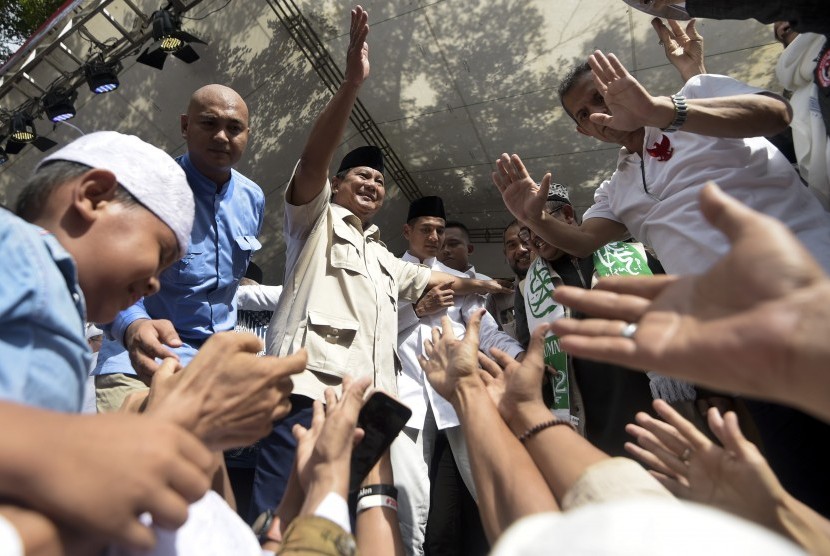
x=345, y=256
x=345, y=253
x=388, y=282
x=328, y=341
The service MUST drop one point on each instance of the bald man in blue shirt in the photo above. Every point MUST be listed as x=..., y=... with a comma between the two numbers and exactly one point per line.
x=196, y=298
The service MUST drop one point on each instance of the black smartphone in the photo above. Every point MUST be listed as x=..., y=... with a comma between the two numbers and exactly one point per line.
x=382, y=418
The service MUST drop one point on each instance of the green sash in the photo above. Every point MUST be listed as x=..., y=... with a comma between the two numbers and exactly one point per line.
x=618, y=258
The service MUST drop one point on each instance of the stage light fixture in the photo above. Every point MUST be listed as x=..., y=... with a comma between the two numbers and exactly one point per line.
x=101, y=76
x=22, y=132
x=22, y=128
x=3, y=156
x=169, y=39
x=60, y=105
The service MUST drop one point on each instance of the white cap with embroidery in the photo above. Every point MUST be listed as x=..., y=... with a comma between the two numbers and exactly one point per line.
x=558, y=192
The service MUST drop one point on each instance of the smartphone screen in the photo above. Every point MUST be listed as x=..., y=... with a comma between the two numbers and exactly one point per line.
x=382, y=418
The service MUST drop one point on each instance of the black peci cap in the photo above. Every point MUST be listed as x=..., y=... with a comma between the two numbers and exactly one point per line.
x=368, y=155
x=426, y=206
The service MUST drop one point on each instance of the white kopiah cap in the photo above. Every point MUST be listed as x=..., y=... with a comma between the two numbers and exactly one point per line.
x=92, y=330
x=147, y=172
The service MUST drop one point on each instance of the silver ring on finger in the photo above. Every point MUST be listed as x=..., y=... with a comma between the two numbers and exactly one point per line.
x=629, y=330
x=686, y=455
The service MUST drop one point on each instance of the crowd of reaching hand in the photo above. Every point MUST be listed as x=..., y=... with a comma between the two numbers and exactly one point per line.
x=738, y=321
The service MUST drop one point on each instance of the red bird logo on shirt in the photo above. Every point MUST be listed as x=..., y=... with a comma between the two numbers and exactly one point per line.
x=823, y=70
x=663, y=151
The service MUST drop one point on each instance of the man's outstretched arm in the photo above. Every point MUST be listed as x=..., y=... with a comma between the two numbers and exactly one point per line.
x=734, y=328
x=312, y=170
x=632, y=107
x=808, y=16
x=525, y=199
x=71, y=468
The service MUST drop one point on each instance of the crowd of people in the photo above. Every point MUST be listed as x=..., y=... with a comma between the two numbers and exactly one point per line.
x=651, y=381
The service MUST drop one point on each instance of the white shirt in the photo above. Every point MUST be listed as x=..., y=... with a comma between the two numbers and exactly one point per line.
x=413, y=388
x=795, y=70
x=255, y=307
x=10, y=542
x=212, y=529
x=256, y=297
x=667, y=217
x=471, y=272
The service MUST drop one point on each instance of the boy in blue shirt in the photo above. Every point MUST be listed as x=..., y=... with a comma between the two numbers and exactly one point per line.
x=113, y=195
x=78, y=205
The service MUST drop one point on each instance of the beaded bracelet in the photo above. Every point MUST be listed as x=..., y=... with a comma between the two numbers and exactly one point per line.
x=535, y=429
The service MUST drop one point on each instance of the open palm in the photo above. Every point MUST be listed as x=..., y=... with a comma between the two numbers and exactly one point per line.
x=735, y=477
x=631, y=106
x=523, y=197
x=735, y=327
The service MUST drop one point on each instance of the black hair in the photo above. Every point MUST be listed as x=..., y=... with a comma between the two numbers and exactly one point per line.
x=460, y=226
x=570, y=79
x=46, y=179
x=514, y=222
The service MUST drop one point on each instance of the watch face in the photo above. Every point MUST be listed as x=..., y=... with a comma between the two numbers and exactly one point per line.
x=262, y=523
x=345, y=545
x=670, y=11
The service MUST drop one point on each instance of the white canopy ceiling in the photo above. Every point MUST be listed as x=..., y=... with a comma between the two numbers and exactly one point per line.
x=454, y=83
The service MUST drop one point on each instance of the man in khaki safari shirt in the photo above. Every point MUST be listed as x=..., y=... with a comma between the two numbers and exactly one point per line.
x=341, y=285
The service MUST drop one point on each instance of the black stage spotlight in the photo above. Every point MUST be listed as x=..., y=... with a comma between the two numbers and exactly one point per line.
x=22, y=131
x=170, y=39
x=60, y=105
x=101, y=76
x=22, y=128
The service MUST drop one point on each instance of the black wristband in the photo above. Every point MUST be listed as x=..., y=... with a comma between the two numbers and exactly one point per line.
x=385, y=490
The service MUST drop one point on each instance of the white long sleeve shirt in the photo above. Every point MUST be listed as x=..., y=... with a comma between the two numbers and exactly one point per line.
x=413, y=388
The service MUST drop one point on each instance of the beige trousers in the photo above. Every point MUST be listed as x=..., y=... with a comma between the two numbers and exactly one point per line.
x=111, y=390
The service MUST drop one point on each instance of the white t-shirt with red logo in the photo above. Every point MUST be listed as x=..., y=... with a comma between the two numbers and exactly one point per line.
x=659, y=202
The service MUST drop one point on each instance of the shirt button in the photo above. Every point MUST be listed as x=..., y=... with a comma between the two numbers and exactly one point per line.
x=76, y=297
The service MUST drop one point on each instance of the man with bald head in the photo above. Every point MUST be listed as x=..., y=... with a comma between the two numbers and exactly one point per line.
x=210, y=106
x=196, y=298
